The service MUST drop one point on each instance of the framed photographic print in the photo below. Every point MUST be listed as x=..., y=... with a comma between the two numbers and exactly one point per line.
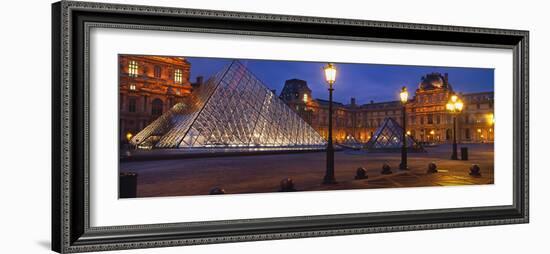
x=181, y=126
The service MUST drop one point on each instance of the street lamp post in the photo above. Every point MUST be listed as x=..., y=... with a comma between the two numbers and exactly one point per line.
x=454, y=106
x=330, y=76
x=404, y=96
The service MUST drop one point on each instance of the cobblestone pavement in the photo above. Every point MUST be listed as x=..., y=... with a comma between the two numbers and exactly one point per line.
x=263, y=173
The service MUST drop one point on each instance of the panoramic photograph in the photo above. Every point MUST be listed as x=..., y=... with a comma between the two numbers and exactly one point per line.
x=216, y=126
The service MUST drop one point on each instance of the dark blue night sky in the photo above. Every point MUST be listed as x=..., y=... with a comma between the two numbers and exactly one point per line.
x=365, y=82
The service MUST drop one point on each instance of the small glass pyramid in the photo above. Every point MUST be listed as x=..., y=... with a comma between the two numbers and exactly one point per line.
x=389, y=136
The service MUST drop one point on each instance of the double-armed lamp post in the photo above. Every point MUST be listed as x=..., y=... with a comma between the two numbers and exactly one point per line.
x=454, y=106
x=404, y=96
x=330, y=77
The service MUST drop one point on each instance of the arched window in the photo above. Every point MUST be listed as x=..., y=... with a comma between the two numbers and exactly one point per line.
x=156, y=108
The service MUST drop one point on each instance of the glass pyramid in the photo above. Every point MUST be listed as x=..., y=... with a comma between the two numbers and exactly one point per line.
x=389, y=137
x=232, y=109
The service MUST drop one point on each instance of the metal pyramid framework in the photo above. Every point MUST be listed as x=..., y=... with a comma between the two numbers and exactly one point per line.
x=232, y=109
x=351, y=142
x=389, y=136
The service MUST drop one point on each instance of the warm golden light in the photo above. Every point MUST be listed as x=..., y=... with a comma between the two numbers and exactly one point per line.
x=459, y=105
x=178, y=76
x=404, y=95
x=129, y=136
x=450, y=106
x=454, y=98
x=408, y=133
x=479, y=130
x=432, y=132
x=330, y=73
x=305, y=98
x=491, y=119
x=455, y=104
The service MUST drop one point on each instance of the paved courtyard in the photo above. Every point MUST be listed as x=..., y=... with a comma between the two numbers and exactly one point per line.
x=263, y=173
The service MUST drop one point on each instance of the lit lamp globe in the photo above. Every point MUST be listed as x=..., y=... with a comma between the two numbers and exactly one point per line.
x=459, y=105
x=129, y=136
x=404, y=95
x=330, y=73
x=450, y=106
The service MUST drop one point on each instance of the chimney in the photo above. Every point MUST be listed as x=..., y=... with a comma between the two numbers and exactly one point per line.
x=200, y=79
x=198, y=82
x=352, y=101
x=446, y=78
x=371, y=102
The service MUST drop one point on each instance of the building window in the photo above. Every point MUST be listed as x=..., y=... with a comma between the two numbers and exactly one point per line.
x=178, y=76
x=156, y=108
x=467, y=133
x=133, y=68
x=132, y=105
x=157, y=71
x=478, y=106
x=438, y=119
x=421, y=120
x=305, y=97
x=132, y=87
x=430, y=119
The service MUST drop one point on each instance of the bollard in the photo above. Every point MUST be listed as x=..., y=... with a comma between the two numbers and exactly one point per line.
x=217, y=191
x=432, y=168
x=475, y=170
x=464, y=153
x=287, y=185
x=127, y=185
x=386, y=169
x=361, y=173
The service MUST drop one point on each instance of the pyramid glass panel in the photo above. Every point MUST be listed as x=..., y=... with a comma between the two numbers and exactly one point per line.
x=232, y=109
x=389, y=136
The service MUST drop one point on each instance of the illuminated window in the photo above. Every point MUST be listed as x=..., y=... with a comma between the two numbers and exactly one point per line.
x=178, y=76
x=133, y=87
x=305, y=97
x=133, y=68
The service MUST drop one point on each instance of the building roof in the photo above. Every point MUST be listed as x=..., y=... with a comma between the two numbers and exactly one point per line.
x=326, y=102
x=381, y=105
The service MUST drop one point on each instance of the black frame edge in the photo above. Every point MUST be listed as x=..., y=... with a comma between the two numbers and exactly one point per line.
x=56, y=128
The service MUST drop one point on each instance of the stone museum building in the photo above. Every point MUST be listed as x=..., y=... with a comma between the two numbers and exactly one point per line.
x=427, y=117
x=148, y=87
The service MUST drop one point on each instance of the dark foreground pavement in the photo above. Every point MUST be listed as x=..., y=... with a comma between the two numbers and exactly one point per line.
x=263, y=173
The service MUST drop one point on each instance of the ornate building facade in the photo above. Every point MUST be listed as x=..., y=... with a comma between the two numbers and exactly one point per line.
x=427, y=117
x=148, y=87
